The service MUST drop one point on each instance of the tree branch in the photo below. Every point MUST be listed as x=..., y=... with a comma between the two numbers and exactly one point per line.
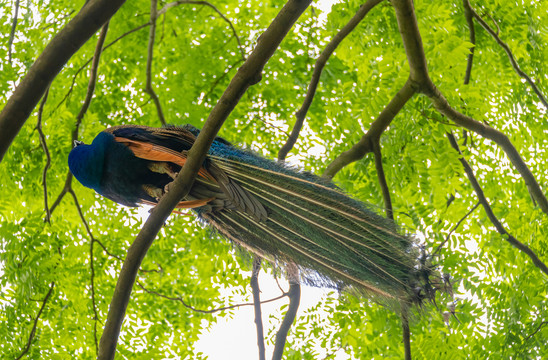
x=472, y=31
x=90, y=60
x=483, y=200
x=506, y=48
x=148, y=86
x=406, y=334
x=409, y=31
x=92, y=268
x=211, y=311
x=294, y=300
x=382, y=181
x=33, y=331
x=365, y=145
x=46, y=151
x=248, y=74
x=254, y=282
x=318, y=68
x=13, y=27
x=455, y=228
x=56, y=54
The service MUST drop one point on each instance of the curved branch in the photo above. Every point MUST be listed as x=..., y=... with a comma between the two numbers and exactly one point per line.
x=92, y=80
x=56, y=54
x=33, y=331
x=483, y=200
x=472, y=31
x=407, y=23
x=506, y=48
x=406, y=334
x=254, y=282
x=90, y=60
x=294, y=301
x=365, y=145
x=248, y=74
x=206, y=3
x=46, y=151
x=13, y=27
x=382, y=181
x=150, y=55
x=318, y=68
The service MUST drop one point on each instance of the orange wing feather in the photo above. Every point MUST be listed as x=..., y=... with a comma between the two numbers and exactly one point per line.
x=154, y=152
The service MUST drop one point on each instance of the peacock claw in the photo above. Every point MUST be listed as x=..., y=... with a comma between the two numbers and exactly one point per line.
x=154, y=192
x=162, y=168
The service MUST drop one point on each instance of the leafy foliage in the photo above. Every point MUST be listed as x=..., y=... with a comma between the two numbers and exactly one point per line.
x=502, y=296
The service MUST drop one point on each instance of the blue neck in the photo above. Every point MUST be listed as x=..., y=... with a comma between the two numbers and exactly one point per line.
x=86, y=162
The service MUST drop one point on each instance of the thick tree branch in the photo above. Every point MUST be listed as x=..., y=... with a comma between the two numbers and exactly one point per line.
x=248, y=74
x=409, y=31
x=13, y=27
x=382, y=181
x=318, y=68
x=33, y=331
x=150, y=55
x=365, y=145
x=56, y=54
x=506, y=48
x=483, y=200
x=254, y=282
x=294, y=301
x=46, y=151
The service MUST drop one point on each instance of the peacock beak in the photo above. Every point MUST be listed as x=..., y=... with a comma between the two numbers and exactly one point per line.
x=78, y=142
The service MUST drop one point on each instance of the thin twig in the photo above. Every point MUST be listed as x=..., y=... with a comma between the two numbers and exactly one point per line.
x=57, y=20
x=81, y=68
x=13, y=27
x=33, y=331
x=506, y=48
x=150, y=55
x=455, y=228
x=66, y=188
x=483, y=200
x=92, y=276
x=46, y=151
x=224, y=308
x=205, y=3
x=382, y=181
x=318, y=68
x=254, y=282
x=542, y=323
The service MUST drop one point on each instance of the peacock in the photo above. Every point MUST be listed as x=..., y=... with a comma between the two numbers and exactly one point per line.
x=267, y=207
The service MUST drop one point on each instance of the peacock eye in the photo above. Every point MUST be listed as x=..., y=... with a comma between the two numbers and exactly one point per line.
x=78, y=142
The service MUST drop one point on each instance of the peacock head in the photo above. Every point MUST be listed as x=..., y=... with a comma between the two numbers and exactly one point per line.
x=86, y=161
